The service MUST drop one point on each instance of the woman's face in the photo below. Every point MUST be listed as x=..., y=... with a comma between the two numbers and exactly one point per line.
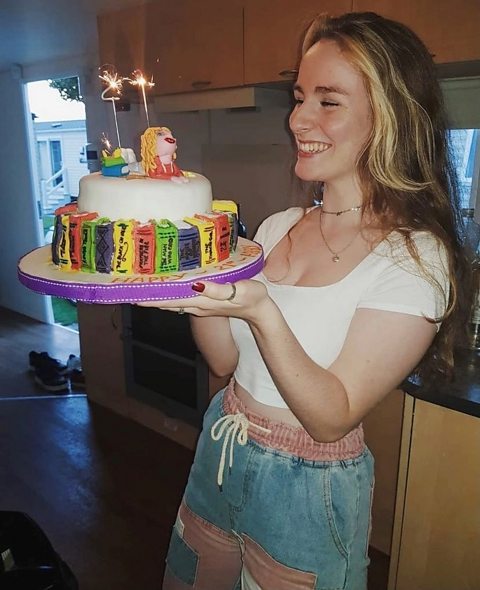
x=332, y=118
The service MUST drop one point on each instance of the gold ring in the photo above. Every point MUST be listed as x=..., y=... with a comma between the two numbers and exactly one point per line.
x=181, y=311
x=234, y=292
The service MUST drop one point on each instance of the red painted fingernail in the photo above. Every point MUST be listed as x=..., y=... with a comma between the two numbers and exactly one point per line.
x=199, y=287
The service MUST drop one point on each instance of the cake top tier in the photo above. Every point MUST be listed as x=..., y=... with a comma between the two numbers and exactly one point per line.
x=144, y=198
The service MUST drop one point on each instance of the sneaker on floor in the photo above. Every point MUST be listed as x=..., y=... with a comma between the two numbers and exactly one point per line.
x=77, y=379
x=42, y=360
x=74, y=362
x=50, y=380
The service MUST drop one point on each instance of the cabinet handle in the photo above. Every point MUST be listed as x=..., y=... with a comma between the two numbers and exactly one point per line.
x=288, y=73
x=201, y=83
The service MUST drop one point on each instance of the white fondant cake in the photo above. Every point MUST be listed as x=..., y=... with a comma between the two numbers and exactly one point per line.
x=143, y=199
x=156, y=222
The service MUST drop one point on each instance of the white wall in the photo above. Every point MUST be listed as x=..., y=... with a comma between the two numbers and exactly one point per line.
x=20, y=231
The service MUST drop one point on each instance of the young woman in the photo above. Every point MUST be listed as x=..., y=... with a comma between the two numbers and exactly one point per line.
x=357, y=292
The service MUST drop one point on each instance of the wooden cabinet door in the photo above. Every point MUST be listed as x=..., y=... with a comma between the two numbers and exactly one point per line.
x=121, y=39
x=100, y=328
x=439, y=546
x=383, y=432
x=195, y=45
x=449, y=29
x=273, y=34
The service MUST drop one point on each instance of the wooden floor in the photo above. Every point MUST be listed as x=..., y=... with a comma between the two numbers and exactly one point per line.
x=18, y=336
x=103, y=488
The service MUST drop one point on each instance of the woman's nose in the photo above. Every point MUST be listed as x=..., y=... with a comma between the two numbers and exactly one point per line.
x=301, y=118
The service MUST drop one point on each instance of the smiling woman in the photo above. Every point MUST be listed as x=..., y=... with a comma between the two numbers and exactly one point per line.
x=356, y=293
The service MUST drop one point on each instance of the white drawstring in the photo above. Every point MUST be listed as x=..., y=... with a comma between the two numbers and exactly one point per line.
x=231, y=425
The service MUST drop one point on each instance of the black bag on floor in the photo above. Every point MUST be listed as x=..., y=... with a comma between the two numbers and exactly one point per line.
x=28, y=560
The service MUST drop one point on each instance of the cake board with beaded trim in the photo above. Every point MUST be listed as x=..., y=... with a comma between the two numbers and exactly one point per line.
x=37, y=272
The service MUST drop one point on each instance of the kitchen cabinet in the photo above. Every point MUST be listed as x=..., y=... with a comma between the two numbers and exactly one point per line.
x=449, y=29
x=436, y=541
x=195, y=45
x=102, y=354
x=273, y=34
x=383, y=432
x=189, y=45
x=122, y=39
x=185, y=45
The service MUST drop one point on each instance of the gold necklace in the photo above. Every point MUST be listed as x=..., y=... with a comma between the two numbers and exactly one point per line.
x=337, y=213
x=335, y=255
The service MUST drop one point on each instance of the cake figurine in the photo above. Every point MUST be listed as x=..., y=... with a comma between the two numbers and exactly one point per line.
x=114, y=164
x=158, y=149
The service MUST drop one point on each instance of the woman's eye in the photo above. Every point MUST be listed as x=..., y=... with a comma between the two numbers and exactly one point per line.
x=328, y=103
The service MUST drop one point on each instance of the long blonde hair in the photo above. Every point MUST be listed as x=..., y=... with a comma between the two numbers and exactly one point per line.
x=148, y=147
x=405, y=170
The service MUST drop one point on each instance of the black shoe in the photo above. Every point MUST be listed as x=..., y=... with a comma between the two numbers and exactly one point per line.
x=50, y=380
x=74, y=363
x=42, y=360
x=77, y=379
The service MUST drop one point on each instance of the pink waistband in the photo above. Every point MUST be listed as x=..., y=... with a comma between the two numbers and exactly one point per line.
x=294, y=440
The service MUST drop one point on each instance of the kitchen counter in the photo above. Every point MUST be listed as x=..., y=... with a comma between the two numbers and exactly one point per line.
x=462, y=394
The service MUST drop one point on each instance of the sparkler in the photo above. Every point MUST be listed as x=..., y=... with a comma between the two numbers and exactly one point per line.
x=140, y=81
x=106, y=142
x=114, y=84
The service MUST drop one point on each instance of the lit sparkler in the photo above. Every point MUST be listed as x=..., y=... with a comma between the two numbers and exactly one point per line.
x=114, y=84
x=140, y=81
x=106, y=142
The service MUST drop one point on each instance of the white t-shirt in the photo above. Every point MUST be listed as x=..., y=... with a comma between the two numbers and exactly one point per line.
x=387, y=279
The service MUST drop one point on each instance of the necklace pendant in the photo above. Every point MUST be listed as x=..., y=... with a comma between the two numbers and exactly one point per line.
x=335, y=258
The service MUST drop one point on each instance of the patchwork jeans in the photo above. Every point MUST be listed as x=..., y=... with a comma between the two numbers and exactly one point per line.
x=268, y=508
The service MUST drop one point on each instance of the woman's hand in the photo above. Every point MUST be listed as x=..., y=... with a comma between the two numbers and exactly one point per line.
x=247, y=300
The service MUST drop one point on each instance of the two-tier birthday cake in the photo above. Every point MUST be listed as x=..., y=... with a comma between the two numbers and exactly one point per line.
x=141, y=231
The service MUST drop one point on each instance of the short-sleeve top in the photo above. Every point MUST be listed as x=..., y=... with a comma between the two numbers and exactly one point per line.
x=387, y=279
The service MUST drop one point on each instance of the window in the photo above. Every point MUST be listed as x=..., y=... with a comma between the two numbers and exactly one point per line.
x=462, y=97
x=465, y=149
x=56, y=159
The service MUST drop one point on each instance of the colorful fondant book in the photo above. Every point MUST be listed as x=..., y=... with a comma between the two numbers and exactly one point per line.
x=222, y=233
x=123, y=246
x=166, y=256
x=145, y=247
x=206, y=230
x=188, y=246
x=104, y=247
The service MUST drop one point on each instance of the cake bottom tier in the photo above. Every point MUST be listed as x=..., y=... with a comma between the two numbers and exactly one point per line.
x=37, y=272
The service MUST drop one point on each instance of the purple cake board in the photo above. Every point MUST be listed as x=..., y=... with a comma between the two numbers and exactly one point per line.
x=37, y=272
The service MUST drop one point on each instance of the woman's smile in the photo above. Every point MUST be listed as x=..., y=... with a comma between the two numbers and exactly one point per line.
x=311, y=148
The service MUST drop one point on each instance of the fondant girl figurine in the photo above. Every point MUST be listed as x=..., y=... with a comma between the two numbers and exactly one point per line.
x=158, y=150
x=360, y=289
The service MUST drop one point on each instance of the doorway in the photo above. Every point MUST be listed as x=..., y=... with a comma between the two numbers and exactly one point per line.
x=58, y=138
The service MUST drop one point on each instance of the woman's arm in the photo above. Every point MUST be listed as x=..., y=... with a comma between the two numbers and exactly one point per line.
x=214, y=340
x=381, y=349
